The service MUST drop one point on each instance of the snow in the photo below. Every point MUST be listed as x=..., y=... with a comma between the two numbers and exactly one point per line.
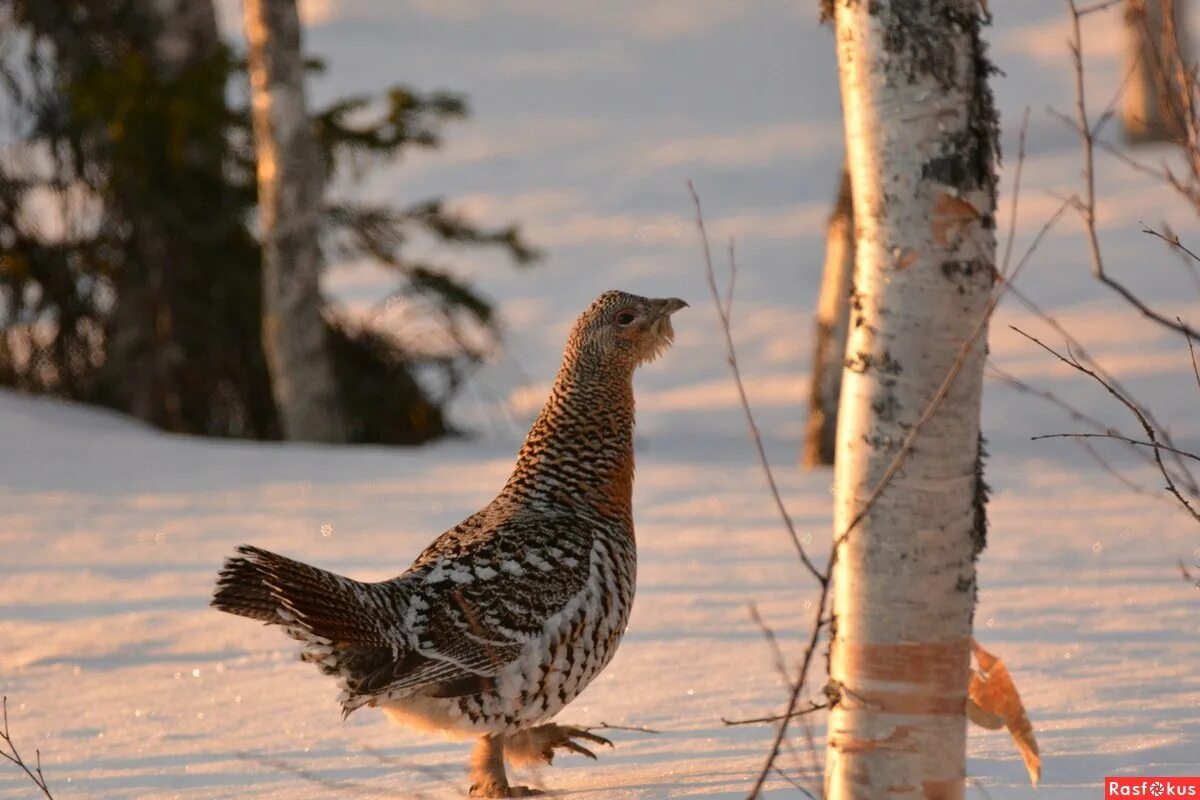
x=111, y=533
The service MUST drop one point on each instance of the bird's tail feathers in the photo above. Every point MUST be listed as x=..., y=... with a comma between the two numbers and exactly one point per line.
x=337, y=619
x=275, y=589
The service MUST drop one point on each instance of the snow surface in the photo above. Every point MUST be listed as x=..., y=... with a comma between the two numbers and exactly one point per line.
x=587, y=122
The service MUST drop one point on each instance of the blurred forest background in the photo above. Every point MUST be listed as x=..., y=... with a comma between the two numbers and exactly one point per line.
x=452, y=225
x=130, y=258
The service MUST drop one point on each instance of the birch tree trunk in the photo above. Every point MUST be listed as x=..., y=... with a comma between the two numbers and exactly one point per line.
x=290, y=187
x=1156, y=48
x=920, y=131
x=833, y=317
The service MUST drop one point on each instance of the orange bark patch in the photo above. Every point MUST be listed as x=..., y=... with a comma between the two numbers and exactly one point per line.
x=899, y=739
x=933, y=665
x=931, y=703
x=943, y=790
x=950, y=216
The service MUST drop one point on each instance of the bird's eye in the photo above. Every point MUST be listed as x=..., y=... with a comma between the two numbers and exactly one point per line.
x=625, y=317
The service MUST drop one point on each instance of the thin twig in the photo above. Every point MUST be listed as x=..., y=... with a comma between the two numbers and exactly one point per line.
x=1101, y=6
x=1187, y=258
x=1110, y=109
x=1118, y=437
x=1195, y=368
x=1187, y=575
x=729, y=286
x=1117, y=476
x=1151, y=434
x=773, y=642
x=1170, y=238
x=1021, y=386
x=604, y=726
x=1079, y=351
x=35, y=774
x=731, y=358
x=793, y=714
x=1128, y=160
x=1088, y=208
x=983, y=791
x=794, y=783
x=1073, y=412
x=1016, y=194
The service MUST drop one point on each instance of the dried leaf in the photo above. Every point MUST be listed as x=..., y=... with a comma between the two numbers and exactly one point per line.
x=994, y=696
x=984, y=719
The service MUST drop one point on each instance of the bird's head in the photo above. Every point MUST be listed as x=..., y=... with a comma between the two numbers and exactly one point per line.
x=625, y=330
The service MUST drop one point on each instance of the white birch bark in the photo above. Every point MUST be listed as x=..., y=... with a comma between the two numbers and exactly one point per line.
x=290, y=188
x=832, y=325
x=1156, y=47
x=920, y=138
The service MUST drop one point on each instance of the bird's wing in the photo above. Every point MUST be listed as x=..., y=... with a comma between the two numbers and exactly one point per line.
x=480, y=592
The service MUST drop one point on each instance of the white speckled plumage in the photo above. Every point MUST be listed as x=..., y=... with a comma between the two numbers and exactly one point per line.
x=508, y=616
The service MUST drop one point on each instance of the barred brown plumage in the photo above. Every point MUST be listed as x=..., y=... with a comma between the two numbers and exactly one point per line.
x=505, y=618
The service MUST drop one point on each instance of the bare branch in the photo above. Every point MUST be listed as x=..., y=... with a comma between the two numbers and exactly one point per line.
x=1134, y=409
x=1097, y=7
x=1080, y=352
x=793, y=714
x=1109, y=110
x=1021, y=386
x=794, y=783
x=13, y=756
x=1118, y=437
x=731, y=358
x=604, y=726
x=1088, y=208
x=1186, y=257
x=982, y=790
x=1195, y=368
x=773, y=642
x=1016, y=194
x=1129, y=161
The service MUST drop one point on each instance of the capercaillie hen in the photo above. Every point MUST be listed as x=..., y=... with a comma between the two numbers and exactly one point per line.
x=505, y=618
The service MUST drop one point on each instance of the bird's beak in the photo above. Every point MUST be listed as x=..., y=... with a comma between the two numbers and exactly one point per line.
x=669, y=305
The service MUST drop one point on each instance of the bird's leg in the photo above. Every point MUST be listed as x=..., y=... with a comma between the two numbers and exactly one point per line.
x=487, y=771
x=537, y=745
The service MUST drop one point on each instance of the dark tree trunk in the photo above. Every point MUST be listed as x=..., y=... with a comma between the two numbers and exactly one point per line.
x=832, y=323
x=1156, y=50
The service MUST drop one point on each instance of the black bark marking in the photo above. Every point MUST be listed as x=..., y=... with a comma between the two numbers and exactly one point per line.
x=982, y=493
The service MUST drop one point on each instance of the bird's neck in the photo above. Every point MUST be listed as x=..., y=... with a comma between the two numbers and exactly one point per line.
x=580, y=449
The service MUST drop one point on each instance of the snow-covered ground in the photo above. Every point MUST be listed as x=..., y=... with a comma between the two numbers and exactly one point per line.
x=588, y=120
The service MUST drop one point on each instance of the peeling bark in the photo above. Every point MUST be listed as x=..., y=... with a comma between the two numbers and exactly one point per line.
x=832, y=324
x=290, y=186
x=921, y=139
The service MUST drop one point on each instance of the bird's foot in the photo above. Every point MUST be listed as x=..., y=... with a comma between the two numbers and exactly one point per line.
x=537, y=745
x=490, y=789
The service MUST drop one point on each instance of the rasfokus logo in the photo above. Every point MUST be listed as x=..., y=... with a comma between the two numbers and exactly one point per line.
x=1151, y=787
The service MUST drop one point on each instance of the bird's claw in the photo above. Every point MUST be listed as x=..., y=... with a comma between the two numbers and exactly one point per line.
x=563, y=736
x=491, y=790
